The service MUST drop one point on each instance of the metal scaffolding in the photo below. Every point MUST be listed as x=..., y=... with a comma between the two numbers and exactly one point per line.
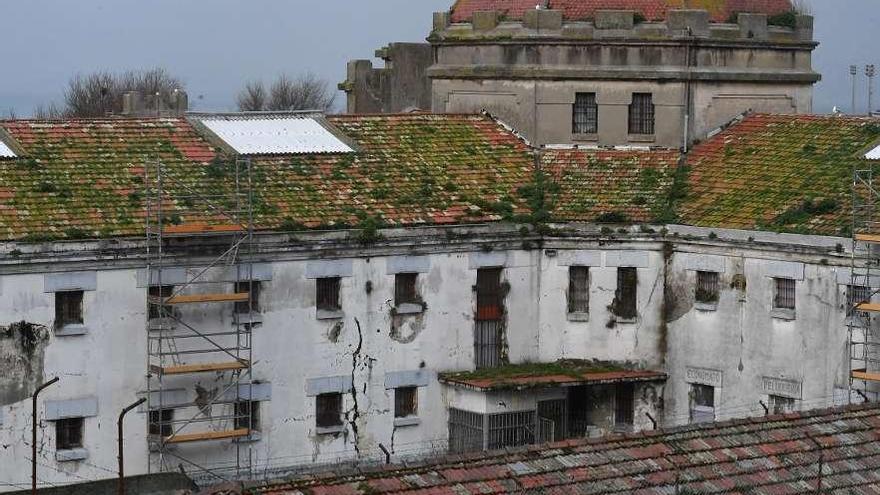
x=864, y=344
x=199, y=243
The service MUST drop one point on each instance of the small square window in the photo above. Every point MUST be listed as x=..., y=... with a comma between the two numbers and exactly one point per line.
x=161, y=422
x=159, y=292
x=781, y=405
x=327, y=292
x=253, y=305
x=247, y=415
x=68, y=308
x=406, y=402
x=69, y=433
x=784, y=295
x=328, y=410
x=585, y=114
x=625, y=298
x=405, y=289
x=578, y=289
x=707, y=287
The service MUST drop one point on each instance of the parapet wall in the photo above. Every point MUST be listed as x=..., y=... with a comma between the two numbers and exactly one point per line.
x=620, y=24
x=400, y=86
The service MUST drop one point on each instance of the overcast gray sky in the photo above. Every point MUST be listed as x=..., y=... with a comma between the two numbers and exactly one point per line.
x=215, y=45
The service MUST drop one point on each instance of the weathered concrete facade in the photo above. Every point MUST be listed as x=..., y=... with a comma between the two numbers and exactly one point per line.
x=400, y=86
x=739, y=346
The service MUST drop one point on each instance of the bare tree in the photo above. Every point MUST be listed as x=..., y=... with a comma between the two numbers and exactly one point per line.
x=100, y=93
x=306, y=92
x=252, y=98
x=48, y=111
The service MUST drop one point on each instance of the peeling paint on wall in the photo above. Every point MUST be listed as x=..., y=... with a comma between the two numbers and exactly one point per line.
x=22, y=348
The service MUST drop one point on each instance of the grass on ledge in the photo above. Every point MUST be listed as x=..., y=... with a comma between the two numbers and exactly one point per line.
x=574, y=368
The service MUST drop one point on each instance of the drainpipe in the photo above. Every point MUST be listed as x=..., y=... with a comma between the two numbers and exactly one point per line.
x=34, y=435
x=121, y=486
x=687, y=92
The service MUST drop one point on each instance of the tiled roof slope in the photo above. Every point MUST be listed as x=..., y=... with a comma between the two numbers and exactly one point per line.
x=771, y=455
x=577, y=10
x=610, y=185
x=778, y=173
x=84, y=178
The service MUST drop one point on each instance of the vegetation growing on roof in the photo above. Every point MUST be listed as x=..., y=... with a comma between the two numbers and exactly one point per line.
x=785, y=19
x=572, y=368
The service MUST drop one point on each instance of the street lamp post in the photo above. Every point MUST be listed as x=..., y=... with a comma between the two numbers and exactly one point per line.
x=869, y=71
x=121, y=484
x=34, y=435
x=853, y=71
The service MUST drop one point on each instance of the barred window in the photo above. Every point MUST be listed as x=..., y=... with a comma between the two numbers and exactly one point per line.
x=856, y=294
x=247, y=415
x=489, y=297
x=511, y=429
x=641, y=114
x=406, y=402
x=585, y=114
x=69, y=433
x=465, y=431
x=707, y=287
x=625, y=300
x=161, y=422
x=783, y=297
x=405, y=289
x=68, y=308
x=328, y=410
x=578, y=289
x=624, y=404
x=488, y=338
x=253, y=288
x=159, y=292
x=328, y=293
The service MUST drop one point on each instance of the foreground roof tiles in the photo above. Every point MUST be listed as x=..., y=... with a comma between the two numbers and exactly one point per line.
x=792, y=454
x=578, y=10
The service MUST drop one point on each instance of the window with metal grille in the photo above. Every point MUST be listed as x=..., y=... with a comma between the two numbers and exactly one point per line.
x=69, y=433
x=253, y=288
x=702, y=403
x=68, y=308
x=406, y=402
x=781, y=405
x=161, y=422
x=552, y=424
x=328, y=410
x=625, y=300
x=585, y=114
x=465, y=431
x=488, y=339
x=707, y=287
x=578, y=289
x=159, y=292
x=247, y=415
x=489, y=297
x=641, y=114
x=783, y=298
x=405, y=289
x=624, y=404
x=327, y=291
x=856, y=294
x=511, y=429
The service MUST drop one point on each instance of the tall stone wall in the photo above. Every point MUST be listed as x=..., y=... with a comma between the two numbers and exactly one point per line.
x=400, y=86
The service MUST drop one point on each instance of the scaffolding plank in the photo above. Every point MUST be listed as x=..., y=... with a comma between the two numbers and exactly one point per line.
x=201, y=228
x=207, y=435
x=183, y=369
x=868, y=238
x=873, y=307
x=868, y=376
x=202, y=298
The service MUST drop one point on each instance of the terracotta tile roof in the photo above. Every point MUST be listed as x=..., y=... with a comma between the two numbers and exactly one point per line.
x=770, y=455
x=778, y=173
x=558, y=374
x=84, y=178
x=576, y=10
x=608, y=184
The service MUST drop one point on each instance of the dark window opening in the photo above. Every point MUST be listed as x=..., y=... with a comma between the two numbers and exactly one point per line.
x=552, y=426
x=707, y=287
x=855, y=295
x=489, y=297
x=69, y=433
x=624, y=404
x=585, y=114
x=68, y=308
x=406, y=402
x=625, y=298
x=488, y=327
x=405, y=289
x=253, y=304
x=641, y=114
x=159, y=292
x=160, y=422
x=783, y=297
x=328, y=410
x=702, y=403
x=781, y=405
x=578, y=289
x=328, y=293
x=579, y=407
x=247, y=415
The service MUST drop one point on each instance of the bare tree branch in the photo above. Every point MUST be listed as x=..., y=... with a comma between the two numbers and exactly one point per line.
x=100, y=93
x=50, y=111
x=306, y=92
x=252, y=98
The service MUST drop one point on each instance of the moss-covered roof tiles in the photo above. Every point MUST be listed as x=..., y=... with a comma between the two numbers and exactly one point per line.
x=778, y=173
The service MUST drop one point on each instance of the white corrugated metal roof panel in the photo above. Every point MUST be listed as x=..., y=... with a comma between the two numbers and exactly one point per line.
x=874, y=154
x=274, y=134
x=5, y=151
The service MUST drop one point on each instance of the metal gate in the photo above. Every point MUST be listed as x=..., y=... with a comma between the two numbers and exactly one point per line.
x=551, y=421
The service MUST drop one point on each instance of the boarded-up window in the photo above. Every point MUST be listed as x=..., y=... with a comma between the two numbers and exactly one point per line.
x=489, y=297
x=247, y=415
x=69, y=433
x=327, y=292
x=585, y=114
x=68, y=308
x=624, y=405
x=161, y=422
x=465, y=431
x=253, y=305
x=511, y=429
x=159, y=292
x=783, y=297
x=625, y=297
x=702, y=403
x=405, y=289
x=578, y=289
x=406, y=402
x=641, y=114
x=328, y=410
x=707, y=287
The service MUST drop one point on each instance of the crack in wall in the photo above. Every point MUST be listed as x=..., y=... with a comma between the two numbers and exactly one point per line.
x=354, y=413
